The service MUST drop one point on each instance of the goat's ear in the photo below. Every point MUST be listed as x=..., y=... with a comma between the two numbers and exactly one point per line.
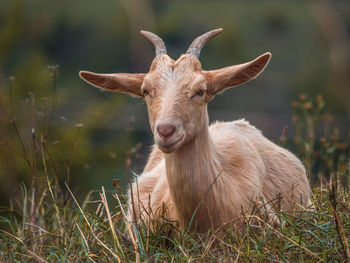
x=121, y=82
x=221, y=79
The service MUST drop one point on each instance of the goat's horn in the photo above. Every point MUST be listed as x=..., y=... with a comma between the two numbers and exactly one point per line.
x=197, y=44
x=157, y=42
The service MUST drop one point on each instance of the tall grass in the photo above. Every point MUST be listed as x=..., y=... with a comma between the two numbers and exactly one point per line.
x=49, y=224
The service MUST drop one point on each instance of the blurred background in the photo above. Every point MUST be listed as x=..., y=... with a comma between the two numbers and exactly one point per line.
x=95, y=136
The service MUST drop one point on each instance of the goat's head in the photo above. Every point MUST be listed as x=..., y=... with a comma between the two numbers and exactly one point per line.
x=177, y=92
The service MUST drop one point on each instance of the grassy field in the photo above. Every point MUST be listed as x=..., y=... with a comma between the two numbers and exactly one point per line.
x=59, y=229
x=49, y=224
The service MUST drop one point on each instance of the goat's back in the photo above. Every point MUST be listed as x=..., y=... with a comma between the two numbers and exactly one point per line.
x=282, y=175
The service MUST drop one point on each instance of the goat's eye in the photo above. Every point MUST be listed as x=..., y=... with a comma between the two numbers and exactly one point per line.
x=145, y=92
x=199, y=93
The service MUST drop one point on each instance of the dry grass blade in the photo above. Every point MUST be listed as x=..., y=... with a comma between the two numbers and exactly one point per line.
x=111, y=225
x=85, y=241
x=131, y=232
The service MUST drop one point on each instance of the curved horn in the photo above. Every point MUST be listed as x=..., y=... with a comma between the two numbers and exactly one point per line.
x=157, y=42
x=197, y=44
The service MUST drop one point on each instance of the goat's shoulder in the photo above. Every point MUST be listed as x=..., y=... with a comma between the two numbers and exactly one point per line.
x=235, y=139
x=239, y=127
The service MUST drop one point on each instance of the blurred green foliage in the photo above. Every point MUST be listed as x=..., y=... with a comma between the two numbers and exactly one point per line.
x=317, y=142
x=103, y=37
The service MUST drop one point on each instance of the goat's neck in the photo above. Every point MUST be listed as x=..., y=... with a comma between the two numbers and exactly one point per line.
x=191, y=173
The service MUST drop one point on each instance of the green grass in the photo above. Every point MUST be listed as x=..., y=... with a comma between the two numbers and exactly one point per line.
x=47, y=223
x=92, y=231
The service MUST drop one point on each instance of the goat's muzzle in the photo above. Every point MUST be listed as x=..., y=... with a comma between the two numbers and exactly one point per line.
x=166, y=130
x=168, y=136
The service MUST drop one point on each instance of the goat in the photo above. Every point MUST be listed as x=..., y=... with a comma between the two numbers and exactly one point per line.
x=211, y=173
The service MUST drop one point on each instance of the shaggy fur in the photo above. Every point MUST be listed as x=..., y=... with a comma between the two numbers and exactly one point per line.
x=215, y=172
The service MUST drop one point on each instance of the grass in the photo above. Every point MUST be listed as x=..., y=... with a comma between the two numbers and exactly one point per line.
x=93, y=231
x=47, y=223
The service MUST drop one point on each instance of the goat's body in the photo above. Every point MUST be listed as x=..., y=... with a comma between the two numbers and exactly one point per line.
x=209, y=174
x=242, y=168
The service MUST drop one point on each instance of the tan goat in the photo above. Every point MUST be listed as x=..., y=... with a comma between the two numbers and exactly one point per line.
x=213, y=173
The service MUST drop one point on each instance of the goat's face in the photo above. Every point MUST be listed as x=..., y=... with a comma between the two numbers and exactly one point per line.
x=177, y=92
x=176, y=97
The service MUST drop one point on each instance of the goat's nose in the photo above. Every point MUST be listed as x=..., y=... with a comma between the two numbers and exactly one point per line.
x=166, y=130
